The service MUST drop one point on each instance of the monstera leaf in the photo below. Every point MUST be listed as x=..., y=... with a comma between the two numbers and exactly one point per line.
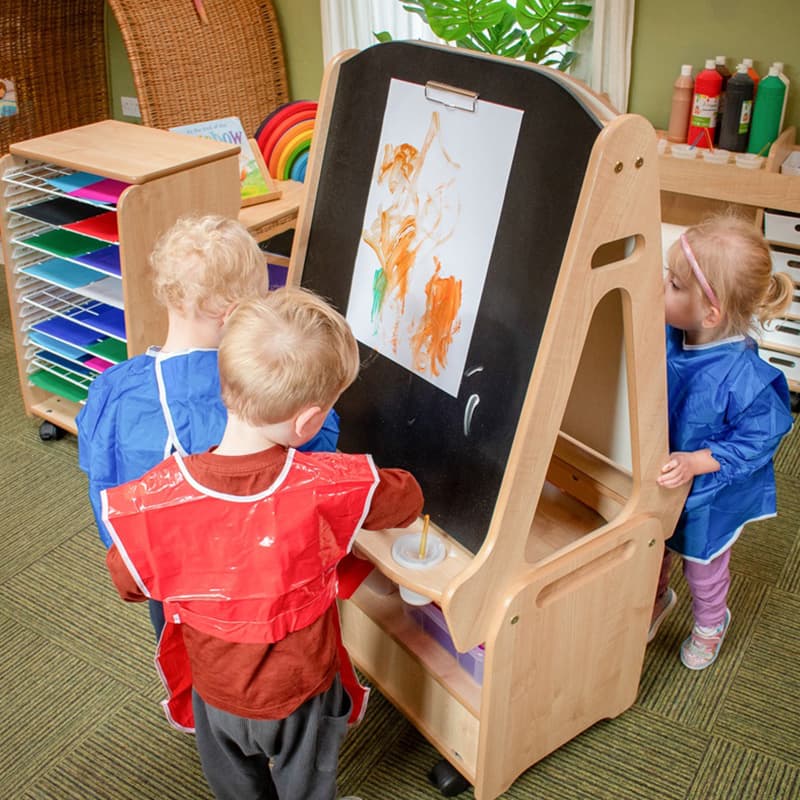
x=543, y=18
x=453, y=20
x=535, y=30
x=503, y=39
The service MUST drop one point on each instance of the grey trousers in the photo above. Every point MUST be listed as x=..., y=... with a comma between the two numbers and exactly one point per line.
x=285, y=759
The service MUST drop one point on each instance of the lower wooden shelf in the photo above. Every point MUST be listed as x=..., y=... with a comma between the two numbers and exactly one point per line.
x=58, y=410
x=415, y=673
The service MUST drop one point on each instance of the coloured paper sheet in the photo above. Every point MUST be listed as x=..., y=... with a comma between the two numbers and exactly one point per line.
x=63, y=273
x=106, y=259
x=59, y=211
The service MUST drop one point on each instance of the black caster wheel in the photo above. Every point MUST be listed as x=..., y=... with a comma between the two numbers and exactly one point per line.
x=795, y=398
x=447, y=779
x=48, y=432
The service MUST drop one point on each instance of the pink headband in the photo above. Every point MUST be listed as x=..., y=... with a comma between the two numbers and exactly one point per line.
x=698, y=273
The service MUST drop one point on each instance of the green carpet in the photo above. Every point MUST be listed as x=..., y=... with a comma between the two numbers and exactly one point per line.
x=79, y=696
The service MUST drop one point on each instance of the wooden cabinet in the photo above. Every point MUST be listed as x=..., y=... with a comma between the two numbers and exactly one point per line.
x=693, y=189
x=76, y=258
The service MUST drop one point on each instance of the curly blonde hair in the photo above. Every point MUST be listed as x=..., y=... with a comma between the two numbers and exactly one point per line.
x=206, y=263
x=737, y=263
x=285, y=352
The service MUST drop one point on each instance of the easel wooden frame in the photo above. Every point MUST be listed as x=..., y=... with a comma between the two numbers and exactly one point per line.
x=561, y=591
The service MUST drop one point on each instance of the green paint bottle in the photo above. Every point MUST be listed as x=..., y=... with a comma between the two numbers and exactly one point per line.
x=767, y=111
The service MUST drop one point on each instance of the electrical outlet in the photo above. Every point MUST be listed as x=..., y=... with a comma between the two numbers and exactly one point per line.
x=130, y=107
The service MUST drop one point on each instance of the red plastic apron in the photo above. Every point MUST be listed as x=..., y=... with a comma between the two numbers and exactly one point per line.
x=244, y=569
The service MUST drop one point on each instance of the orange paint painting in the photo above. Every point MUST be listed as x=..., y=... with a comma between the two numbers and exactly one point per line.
x=434, y=332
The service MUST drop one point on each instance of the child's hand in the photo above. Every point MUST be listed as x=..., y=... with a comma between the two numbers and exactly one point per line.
x=677, y=471
x=682, y=467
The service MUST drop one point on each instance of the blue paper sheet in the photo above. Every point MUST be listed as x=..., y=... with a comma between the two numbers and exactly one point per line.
x=63, y=273
x=105, y=259
x=55, y=346
x=68, y=332
x=103, y=318
x=53, y=358
x=75, y=180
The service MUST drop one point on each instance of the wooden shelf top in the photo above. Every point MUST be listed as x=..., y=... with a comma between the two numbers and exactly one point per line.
x=730, y=183
x=123, y=151
x=762, y=188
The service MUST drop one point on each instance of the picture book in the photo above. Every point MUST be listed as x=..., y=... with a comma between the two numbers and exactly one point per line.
x=257, y=185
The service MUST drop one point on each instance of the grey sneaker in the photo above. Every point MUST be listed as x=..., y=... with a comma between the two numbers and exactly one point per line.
x=661, y=609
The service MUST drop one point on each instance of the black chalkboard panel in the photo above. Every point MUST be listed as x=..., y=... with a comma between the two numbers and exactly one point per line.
x=400, y=418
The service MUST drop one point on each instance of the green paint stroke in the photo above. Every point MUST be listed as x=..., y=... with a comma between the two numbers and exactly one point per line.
x=378, y=292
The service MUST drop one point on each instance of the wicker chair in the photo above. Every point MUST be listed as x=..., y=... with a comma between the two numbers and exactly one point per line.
x=186, y=71
x=54, y=51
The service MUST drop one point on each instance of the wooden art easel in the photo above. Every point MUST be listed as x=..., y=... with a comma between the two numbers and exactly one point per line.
x=561, y=587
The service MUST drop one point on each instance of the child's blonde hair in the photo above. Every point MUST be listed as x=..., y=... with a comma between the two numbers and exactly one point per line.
x=283, y=353
x=736, y=261
x=206, y=263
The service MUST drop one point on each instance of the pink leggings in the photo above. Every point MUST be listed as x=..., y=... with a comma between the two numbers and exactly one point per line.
x=708, y=583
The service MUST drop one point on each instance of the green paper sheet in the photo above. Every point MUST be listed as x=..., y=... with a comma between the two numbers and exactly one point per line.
x=63, y=243
x=52, y=383
x=109, y=349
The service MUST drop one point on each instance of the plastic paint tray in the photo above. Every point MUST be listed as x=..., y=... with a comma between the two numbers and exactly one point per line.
x=430, y=619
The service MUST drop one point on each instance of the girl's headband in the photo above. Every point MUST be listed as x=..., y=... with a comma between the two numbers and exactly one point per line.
x=698, y=273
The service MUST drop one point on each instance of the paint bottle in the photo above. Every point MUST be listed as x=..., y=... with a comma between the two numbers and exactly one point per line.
x=767, y=113
x=735, y=126
x=723, y=70
x=748, y=62
x=705, y=105
x=682, y=94
x=782, y=76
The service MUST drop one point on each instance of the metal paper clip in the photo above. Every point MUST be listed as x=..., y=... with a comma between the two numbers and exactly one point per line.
x=451, y=96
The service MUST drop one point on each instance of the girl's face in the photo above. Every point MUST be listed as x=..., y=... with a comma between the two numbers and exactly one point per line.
x=684, y=306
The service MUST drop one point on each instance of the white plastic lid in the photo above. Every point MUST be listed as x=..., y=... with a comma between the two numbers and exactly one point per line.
x=710, y=63
x=774, y=71
x=721, y=60
x=741, y=69
x=686, y=69
x=748, y=62
x=779, y=65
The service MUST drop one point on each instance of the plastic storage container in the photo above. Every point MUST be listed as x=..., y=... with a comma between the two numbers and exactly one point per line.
x=717, y=156
x=684, y=151
x=431, y=620
x=780, y=226
x=791, y=164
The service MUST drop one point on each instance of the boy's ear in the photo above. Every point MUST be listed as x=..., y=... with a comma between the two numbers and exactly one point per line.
x=304, y=420
x=712, y=318
x=228, y=311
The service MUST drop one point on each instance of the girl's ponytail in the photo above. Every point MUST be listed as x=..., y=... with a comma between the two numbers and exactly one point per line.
x=777, y=298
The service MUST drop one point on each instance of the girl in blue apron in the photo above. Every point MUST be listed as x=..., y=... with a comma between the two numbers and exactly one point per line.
x=728, y=411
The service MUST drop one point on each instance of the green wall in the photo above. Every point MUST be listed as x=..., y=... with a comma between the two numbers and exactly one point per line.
x=302, y=46
x=120, y=77
x=668, y=34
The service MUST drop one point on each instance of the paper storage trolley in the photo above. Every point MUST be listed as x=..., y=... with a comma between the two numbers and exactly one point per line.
x=81, y=210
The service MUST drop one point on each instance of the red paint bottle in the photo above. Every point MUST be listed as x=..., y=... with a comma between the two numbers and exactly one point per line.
x=705, y=105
